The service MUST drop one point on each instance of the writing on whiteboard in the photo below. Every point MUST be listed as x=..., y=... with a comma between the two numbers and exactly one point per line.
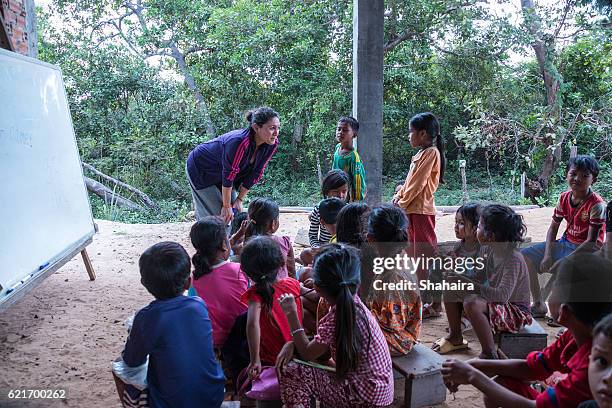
x=15, y=135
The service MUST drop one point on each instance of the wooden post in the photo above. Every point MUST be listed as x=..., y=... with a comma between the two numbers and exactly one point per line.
x=573, y=151
x=368, y=40
x=523, y=178
x=466, y=197
x=319, y=172
x=88, y=265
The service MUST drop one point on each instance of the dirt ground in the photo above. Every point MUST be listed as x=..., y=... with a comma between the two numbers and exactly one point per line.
x=65, y=333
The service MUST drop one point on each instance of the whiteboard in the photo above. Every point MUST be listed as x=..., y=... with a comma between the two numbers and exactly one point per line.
x=44, y=206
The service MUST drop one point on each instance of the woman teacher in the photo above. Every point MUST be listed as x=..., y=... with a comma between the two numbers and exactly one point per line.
x=235, y=160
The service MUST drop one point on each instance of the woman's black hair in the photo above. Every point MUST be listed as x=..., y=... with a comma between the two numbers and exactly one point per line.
x=350, y=224
x=503, y=223
x=207, y=237
x=259, y=116
x=584, y=162
x=334, y=180
x=429, y=123
x=351, y=121
x=260, y=260
x=388, y=225
x=262, y=212
x=336, y=272
x=471, y=213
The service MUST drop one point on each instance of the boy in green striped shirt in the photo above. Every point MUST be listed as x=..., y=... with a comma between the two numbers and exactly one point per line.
x=347, y=159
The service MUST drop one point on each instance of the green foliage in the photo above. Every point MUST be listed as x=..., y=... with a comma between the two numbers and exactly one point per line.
x=137, y=117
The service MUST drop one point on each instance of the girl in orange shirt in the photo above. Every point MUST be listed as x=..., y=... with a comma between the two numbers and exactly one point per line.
x=416, y=196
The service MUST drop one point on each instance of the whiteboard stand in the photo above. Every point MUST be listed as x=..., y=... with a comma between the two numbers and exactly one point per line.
x=88, y=265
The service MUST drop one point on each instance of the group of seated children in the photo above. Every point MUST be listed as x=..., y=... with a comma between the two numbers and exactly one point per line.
x=325, y=322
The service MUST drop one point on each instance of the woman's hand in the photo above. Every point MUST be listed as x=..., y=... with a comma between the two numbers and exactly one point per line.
x=227, y=214
x=254, y=369
x=287, y=302
x=237, y=204
x=284, y=357
x=457, y=372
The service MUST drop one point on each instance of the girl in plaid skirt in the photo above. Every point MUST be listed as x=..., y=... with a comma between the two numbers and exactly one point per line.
x=358, y=371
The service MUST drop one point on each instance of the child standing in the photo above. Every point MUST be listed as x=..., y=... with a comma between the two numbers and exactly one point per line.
x=416, y=196
x=466, y=225
x=581, y=296
x=263, y=220
x=398, y=312
x=216, y=280
x=502, y=302
x=176, y=333
x=267, y=329
x=584, y=211
x=347, y=159
x=348, y=333
x=335, y=184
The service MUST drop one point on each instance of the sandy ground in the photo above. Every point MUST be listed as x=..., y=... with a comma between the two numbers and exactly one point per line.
x=65, y=333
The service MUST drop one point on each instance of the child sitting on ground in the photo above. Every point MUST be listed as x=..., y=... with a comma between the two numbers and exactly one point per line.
x=600, y=366
x=237, y=230
x=502, y=302
x=263, y=220
x=347, y=159
x=267, y=329
x=581, y=296
x=349, y=333
x=398, y=312
x=175, y=332
x=335, y=184
x=216, y=280
x=466, y=225
x=584, y=211
x=328, y=213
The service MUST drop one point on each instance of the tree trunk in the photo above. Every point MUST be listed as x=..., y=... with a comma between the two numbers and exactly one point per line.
x=179, y=57
x=109, y=196
x=145, y=198
x=552, y=83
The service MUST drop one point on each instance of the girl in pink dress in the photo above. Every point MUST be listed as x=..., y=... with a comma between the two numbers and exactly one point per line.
x=263, y=220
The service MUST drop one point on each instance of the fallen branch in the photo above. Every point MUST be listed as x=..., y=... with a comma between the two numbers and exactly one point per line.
x=110, y=197
x=142, y=196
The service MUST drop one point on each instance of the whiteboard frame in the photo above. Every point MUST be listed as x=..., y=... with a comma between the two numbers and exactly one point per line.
x=37, y=276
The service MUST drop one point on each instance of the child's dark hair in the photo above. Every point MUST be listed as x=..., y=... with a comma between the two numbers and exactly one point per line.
x=262, y=211
x=351, y=121
x=470, y=213
x=429, y=123
x=582, y=162
x=604, y=327
x=237, y=221
x=260, y=260
x=336, y=272
x=259, y=116
x=388, y=225
x=164, y=268
x=583, y=283
x=329, y=209
x=334, y=180
x=207, y=237
x=350, y=224
x=503, y=223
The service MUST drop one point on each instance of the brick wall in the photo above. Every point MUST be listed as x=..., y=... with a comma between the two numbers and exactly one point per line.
x=14, y=16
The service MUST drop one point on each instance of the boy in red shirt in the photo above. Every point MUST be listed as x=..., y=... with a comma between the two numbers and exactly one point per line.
x=581, y=296
x=584, y=211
